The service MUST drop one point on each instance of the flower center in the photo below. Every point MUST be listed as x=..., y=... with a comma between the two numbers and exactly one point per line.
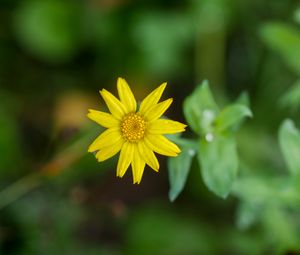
x=133, y=127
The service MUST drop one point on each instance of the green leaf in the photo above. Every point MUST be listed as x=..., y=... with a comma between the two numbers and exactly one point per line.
x=154, y=35
x=49, y=29
x=243, y=99
x=289, y=140
x=282, y=227
x=264, y=190
x=219, y=164
x=179, y=168
x=200, y=109
x=231, y=116
x=291, y=98
x=284, y=39
x=256, y=189
x=247, y=214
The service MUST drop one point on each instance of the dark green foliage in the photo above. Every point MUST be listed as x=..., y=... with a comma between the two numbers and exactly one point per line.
x=235, y=187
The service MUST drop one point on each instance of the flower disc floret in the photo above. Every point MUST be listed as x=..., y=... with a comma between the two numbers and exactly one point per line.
x=133, y=127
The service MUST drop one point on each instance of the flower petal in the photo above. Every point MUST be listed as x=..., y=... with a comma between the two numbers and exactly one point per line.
x=157, y=110
x=152, y=98
x=163, y=126
x=125, y=159
x=103, y=119
x=109, y=151
x=138, y=166
x=126, y=95
x=108, y=137
x=161, y=145
x=148, y=156
x=114, y=105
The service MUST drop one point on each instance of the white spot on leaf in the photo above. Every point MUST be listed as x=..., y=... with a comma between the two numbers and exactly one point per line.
x=209, y=137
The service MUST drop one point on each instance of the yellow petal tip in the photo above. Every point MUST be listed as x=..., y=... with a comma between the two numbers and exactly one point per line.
x=102, y=91
x=89, y=115
x=162, y=87
x=136, y=182
x=120, y=175
x=100, y=159
x=89, y=149
x=90, y=111
x=164, y=84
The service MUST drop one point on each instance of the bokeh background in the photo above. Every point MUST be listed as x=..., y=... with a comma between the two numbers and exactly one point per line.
x=56, y=55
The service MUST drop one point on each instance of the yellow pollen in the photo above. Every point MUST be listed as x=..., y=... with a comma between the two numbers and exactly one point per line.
x=133, y=127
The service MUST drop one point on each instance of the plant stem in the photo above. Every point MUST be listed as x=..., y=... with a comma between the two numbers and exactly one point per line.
x=19, y=188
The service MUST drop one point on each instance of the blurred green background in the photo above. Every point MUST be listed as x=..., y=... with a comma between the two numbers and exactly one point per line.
x=54, y=57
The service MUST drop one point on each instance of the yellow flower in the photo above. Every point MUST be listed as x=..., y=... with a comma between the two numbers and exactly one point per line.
x=136, y=132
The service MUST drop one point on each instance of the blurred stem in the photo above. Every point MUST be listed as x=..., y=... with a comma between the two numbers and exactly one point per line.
x=19, y=189
x=60, y=162
x=210, y=51
x=211, y=29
